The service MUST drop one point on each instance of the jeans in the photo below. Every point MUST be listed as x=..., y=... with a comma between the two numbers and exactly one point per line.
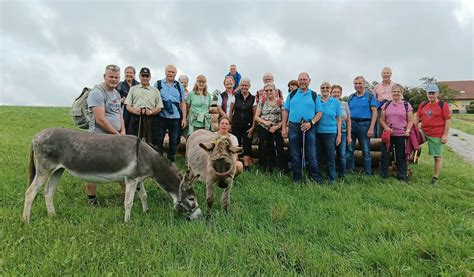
x=359, y=132
x=397, y=143
x=244, y=141
x=326, y=145
x=173, y=126
x=341, y=151
x=296, y=138
x=271, y=150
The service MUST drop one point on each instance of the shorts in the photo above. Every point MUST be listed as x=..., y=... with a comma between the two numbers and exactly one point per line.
x=435, y=146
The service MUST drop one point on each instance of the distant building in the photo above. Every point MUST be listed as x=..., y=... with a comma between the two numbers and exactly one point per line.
x=464, y=96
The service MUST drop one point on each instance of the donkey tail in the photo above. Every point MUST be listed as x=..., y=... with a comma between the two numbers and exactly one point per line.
x=31, y=167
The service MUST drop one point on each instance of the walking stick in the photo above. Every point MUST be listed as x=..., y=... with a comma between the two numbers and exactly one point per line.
x=140, y=123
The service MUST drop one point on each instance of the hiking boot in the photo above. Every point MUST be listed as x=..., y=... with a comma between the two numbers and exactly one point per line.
x=92, y=201
x=434, y=181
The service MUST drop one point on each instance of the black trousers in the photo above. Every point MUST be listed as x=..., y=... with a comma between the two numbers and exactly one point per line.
x=397, y=144
x=244, y=140
x=146, y=129
x=270, y=148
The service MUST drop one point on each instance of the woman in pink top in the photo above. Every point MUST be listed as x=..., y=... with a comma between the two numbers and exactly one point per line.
x=397, y=119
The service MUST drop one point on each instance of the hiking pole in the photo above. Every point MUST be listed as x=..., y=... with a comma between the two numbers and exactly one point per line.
x=303, y=162
x=140, y=123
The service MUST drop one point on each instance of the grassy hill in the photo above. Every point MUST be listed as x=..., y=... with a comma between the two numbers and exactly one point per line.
x=360, y=226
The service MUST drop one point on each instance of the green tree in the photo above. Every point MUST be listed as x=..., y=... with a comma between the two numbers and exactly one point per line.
x=416, y=95
x=470, y=108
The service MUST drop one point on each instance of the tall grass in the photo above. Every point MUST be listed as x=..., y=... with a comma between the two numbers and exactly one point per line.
x=360, y=226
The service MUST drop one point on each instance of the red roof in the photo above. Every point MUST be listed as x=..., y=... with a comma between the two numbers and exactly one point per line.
x=466, y=86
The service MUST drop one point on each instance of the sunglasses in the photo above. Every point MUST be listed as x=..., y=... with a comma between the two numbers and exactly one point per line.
x=112, y=67
x=268, y=90
x=431, y=92
x=145, y=76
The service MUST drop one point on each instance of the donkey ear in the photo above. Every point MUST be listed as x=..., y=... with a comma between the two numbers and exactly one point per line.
x=235, y=150
x=207, y=146
x=189, y=179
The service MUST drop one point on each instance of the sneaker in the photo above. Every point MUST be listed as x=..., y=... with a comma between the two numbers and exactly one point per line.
x=434, y=181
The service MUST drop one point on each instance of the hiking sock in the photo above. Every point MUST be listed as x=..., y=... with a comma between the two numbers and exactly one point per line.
x=92, y=200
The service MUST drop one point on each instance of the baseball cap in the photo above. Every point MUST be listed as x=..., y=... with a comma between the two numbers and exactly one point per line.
x=144, y=71
x=432, y=88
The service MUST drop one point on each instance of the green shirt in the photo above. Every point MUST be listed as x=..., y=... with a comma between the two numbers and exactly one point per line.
x=140, y=96
x=198, y=103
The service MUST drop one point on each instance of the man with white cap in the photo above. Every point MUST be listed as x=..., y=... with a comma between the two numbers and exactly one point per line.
x=435, y=119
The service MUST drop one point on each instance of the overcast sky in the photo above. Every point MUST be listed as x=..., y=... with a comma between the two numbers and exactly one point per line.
x=50, y=50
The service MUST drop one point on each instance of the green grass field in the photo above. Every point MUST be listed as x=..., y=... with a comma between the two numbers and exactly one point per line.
x=463, y=122
x=360, y=226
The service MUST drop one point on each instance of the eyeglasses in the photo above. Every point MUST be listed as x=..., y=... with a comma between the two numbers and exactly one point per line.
x=112, y=67
x=431, y=92
x=201, y=82
x=145, y=76
x=267, y=90
x=325, y=87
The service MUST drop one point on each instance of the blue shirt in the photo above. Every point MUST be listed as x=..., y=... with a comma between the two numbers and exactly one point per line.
x=331, y=111
x=171, y=94
x=302, y=106
x=359, y=105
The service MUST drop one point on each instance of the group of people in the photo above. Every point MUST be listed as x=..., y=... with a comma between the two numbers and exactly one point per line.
x=321, y=128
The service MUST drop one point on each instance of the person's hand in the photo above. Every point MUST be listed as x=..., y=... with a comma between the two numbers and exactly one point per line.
x=388, y=129
x=407, y=133
x=148, y=112
x=122, y=100
x=370, y=133
x=284, y=132
x=122, y=132
x=444, y=139
x=183, y=123
x=267, y=123
x=349, y=139
x=338, y=140
x=250, y=132
x=305, y=126
x=273, y=129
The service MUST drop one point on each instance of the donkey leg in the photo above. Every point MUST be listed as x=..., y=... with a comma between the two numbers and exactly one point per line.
x=130, y=188
x=209, y=194
x=51, y=189
x=143, y=196
x=225, y=197
x=31, y=193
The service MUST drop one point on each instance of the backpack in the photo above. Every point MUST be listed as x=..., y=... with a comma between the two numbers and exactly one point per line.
x=313, y=94
x=176, y=85
x=353, y=94
x=80, y=111
x=441, y=104
x=405, y=103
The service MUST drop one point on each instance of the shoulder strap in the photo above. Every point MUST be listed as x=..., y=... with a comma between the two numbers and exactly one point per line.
x=350, y=97
x=423, y=104
x=387, y=104
x=441, y=104
x=405, y=103
x=158, y=85
x=314, y=95
x=292, y=94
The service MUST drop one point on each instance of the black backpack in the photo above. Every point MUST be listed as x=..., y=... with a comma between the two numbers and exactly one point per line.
x=441, y=104
x=353, y=94
x=405, y=103
x=313, y=94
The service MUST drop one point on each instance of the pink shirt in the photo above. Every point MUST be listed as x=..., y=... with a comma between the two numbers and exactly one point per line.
x=383, y=92
x=396, y=117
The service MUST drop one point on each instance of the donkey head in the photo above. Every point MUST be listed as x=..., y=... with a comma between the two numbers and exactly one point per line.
x=221, y=157
x=187, y=201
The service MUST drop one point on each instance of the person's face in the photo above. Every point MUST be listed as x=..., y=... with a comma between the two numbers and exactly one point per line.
x=386, y=74
x=336, y=93
x=111, y=78
x=170, y=73
x=145, y=79
x=129, y=74
x=396, y=93
x=303, y=81
x=432, y=96
x=293, y=87
x=244, y=86
x=325, y=89
x=233, y=70
x=224, y=126
x=267, y=79
x=269, y=93
x=229, y=83
x=359, y=85
x=201, y=84
x=184, y=82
